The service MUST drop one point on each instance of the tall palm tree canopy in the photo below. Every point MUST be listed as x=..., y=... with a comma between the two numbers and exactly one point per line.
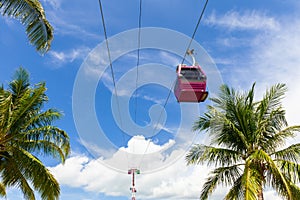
x=32, y=16
x=26, y=131
x=248, y=145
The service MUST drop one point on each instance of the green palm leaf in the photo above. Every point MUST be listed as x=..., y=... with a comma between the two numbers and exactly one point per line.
x=200, y=154
x=45, y=183
x=222, y=175
x=2, y=190
x=248, y=134
x=237, y=191
x=13, y=176
x=290, y=170
x=291, y=153
x=26, y=129
x=32, y=16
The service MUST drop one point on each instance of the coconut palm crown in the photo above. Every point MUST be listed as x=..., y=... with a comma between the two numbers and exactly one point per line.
x=26, y=132
x=32, y=16
x=248, y=145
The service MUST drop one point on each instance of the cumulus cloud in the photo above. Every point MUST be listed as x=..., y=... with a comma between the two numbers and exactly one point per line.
x=140, y=145
x=177, y=181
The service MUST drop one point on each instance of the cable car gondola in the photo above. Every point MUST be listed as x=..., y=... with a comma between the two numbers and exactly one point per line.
x=191, y=82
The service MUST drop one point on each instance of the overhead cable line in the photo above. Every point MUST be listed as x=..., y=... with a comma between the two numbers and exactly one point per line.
x=172, y=86
x=195, y=30
x=112, y=72
x=138, y=60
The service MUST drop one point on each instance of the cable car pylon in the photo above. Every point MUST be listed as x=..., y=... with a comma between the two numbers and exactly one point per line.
x=132, y=172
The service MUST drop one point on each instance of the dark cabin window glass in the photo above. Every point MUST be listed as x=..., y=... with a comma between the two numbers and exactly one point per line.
x=192, y=74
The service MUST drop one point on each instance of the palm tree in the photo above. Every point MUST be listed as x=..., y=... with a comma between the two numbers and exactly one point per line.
x=248, y=145
x=26, y=131
x=32, y=16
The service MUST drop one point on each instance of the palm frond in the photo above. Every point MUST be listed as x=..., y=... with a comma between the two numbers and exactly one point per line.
x=237, y=191
x=200, y=154
x=230, y=130
x=291, y=153
x=251, y=134
x=251, y=181
x=290, y=170
x=222, y=175
x=274, y=176
x=223, y=130
x=31, y=100
x=49, y=140
x=42, y=180
x=271, y=100
x=270, y=134
x=32, y=16
x=225, y=99
x=42, y=119
x=46, y=148
x=20, y=83
x=5, y=112
x=2, y=190
x=295, y=191
x=12, y=175
x=26, y=129
x=203, y=123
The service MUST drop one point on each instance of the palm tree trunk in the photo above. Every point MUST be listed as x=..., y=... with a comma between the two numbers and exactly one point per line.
x=260, y=194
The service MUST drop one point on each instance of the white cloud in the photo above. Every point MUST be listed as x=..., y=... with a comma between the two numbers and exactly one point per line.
x=169, y=59
x=155, y=56
x=61, y=57
x=163, y=127
x=271, y=194
x=128, y=75
x=153, y=99
x=70, y=20
x=56, y=4
x=276, y=60
x=177, y=181
x=91, y=175
x=139, y=145
x=249, y=20
x=97, y=149
x=67, y=27
x=232, y=42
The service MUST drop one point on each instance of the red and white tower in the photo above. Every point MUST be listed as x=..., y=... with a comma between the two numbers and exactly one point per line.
x=133, y=171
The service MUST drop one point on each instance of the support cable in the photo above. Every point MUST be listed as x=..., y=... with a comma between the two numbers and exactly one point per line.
x=112, y=73
x=172, y=86
x=195, y=30
x=137, y=65
x=138, y=60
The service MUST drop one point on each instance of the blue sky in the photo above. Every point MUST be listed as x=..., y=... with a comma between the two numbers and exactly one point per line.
x=242, y=42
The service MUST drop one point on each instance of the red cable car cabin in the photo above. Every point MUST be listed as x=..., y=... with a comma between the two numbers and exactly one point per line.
x=190, y=84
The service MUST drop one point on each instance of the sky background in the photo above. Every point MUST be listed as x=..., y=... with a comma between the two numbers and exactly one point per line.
x=248, y=41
